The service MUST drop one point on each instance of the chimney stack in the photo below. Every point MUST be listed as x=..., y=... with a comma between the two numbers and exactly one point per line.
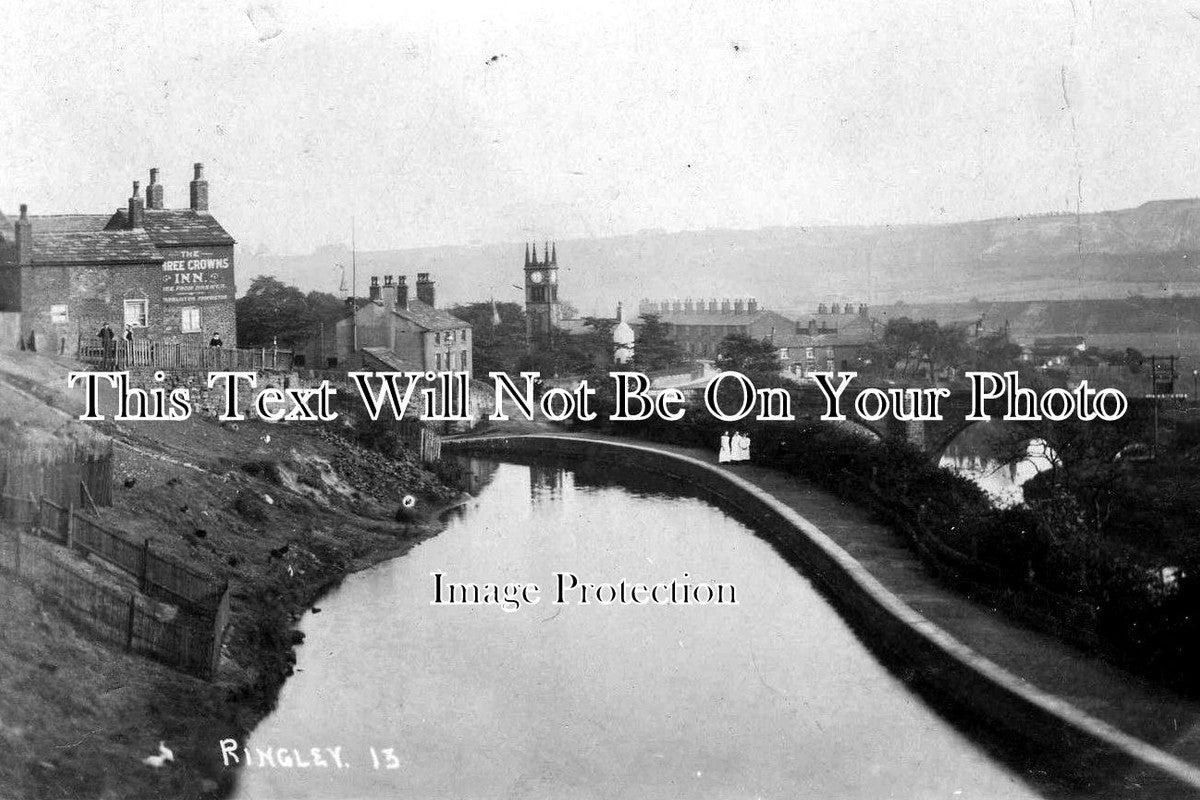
x=725, y=309
x=425, y=289
x=689, y=306
x=822, y=309
x=199, y=190
x=862, y=309
x=812, y=326
x=752, y=306
x=137, y=211
x=24, y=237
x=402, y=291
x=713, y=308
x=739, y=307
x=373, y=292
x=154, y=191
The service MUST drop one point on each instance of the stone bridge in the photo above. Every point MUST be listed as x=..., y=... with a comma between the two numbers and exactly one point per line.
x=932, y=436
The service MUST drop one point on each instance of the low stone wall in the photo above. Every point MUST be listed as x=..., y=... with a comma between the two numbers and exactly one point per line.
x=944, y=666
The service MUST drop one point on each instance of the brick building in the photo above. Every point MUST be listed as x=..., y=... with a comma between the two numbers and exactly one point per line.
x=395, y=332
x=168, y=273
x=698, y=327
x=837, y=338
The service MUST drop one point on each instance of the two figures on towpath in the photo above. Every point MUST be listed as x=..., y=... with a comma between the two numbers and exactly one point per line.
x=734, y=448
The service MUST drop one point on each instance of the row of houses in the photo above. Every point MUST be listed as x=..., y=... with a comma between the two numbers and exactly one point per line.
x=835, y=337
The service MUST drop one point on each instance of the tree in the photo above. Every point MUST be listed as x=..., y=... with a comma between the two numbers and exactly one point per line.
x=654, y=349
x=740, y=353
x=495, y=347
x=272, y=312
x=996, y=352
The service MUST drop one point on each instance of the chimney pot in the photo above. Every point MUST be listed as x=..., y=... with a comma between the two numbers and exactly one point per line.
x=154, y=191
x=137, y=209
x=199, y=190
x=24, y=237
x=425, y=292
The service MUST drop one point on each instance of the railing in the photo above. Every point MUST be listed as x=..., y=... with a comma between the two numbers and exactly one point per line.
x=189, y=644
x=194, y=356
x=65, y=472
x=157, y=575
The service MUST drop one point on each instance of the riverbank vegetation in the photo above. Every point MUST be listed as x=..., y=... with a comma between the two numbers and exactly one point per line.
x=1101, y=552
x=283, y=512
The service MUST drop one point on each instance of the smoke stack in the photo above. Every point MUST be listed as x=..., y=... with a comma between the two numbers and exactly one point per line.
x=199, y=189
x=425, y=289
x=137, y=211
x=154, y=191
x=24, y=237
x=373, y=292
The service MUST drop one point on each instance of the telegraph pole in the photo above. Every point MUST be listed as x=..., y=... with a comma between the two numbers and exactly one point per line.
x=353, y=289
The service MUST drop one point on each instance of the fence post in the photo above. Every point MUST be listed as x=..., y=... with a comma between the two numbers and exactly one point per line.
x=71, y=525
x=129, y=623
x=145, y=561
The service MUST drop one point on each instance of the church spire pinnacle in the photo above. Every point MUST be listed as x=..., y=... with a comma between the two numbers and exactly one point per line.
x=527, y=254
x=554, y=254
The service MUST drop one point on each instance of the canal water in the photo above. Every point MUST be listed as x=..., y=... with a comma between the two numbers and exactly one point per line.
x=773, y=697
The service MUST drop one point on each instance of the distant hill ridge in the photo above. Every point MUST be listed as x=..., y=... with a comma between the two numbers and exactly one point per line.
x=1152, y=250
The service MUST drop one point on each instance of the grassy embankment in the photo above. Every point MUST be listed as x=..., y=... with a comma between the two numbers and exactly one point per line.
x=283, y=512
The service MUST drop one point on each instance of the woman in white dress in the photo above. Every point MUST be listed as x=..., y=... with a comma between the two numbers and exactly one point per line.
x=736, y=445
x=723, y=455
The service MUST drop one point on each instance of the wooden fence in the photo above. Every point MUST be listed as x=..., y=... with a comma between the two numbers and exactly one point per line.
x=189, y=641
x=194, y=356
x=66, y=472
x=417, y=437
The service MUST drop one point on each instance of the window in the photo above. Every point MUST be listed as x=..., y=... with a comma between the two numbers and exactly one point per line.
x=449, y=337
x=135, y=313
x=331, y=362
x=190, y=322
x=437, y=337
x=463, y=364
x=439, y=362
x=58, y=315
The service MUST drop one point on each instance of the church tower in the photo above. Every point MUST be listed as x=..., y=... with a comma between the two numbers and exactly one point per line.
x=542, y=313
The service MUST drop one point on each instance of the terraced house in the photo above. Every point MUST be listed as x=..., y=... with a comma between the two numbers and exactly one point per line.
x=167, y=273
x=393, y=332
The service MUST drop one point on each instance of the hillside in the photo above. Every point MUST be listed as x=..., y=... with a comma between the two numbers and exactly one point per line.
x=1151, y=250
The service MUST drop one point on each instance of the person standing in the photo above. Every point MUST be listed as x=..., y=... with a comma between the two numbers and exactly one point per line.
x=106, y=344
x=215, y=341
x=723, y=455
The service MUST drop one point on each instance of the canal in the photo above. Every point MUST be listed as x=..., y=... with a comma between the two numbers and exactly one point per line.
x=771, y=697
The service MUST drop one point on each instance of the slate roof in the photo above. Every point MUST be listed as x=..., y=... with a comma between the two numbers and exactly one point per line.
x=95, y=247
x=430, y=318
x=390, y=360
x=176, y=227
x=67, y=223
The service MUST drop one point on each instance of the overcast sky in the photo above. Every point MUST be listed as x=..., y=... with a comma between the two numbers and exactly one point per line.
x=479, y=122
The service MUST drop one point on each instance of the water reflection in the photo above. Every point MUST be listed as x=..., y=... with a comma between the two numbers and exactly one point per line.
x=973, y=454
x=773, y=697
